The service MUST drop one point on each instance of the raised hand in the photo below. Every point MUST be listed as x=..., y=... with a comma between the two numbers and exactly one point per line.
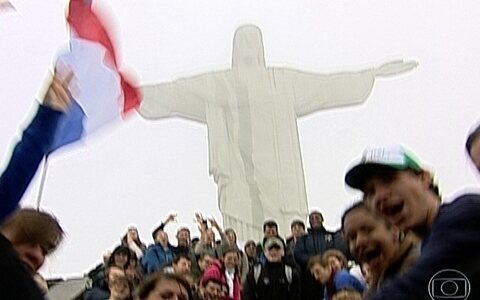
x=58, y=95
x=171, y=218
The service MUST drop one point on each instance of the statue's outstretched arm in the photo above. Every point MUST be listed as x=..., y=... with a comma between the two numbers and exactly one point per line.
x=313, y=92
x=183, y=98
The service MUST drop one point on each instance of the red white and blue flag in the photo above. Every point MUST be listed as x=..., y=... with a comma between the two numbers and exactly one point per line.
x=102, y=92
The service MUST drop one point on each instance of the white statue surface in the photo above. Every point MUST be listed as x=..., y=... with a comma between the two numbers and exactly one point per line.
x=251, y=115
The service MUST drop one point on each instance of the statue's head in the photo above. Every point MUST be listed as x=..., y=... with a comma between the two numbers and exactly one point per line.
x=248, y=47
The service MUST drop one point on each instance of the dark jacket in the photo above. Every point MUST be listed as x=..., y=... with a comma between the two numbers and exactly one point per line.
x=316, y=242
x=156, y=257
x=16, y=281
x=272, y=284
x=449, y=251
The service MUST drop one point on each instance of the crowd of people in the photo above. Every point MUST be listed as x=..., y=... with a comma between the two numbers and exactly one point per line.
x=400, y=241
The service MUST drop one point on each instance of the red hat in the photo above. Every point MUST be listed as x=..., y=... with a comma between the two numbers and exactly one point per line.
x=213, y=273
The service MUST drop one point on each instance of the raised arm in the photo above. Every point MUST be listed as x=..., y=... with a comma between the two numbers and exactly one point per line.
x=35, y=143
x=313, y=92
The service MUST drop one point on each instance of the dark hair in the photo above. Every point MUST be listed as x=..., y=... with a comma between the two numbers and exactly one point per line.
x=28, y=225
x=119, y=250
x=363, y=205
x=179, y=257
x=298, y=223
x=203, y=254
x=249, y=242
x=315, y=212
x=270, y=223
x=229, y=249
x=355, y=206
x=388, y=174
x=472, y=137
x=151, y=281
x=232, y=231
x=138, y=242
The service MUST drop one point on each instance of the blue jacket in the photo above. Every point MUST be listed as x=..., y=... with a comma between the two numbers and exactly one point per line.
x=316, y=242
x=26, y=157
x=156, y=257
x=450, y=251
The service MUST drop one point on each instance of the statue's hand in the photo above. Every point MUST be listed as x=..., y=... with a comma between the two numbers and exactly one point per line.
x=395, y=67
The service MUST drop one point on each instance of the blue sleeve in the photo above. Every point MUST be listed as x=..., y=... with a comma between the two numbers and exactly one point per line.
x=453, y=243
x=26, y=157
x=150, y=261
x=300, y=252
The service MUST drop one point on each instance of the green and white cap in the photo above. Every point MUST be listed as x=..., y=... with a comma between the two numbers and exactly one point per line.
x=376, y=160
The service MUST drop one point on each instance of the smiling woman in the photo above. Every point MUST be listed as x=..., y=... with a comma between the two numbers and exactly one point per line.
x=373, y=240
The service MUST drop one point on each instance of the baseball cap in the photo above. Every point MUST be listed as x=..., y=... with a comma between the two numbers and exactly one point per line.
x=377, y=159
x=273, y=241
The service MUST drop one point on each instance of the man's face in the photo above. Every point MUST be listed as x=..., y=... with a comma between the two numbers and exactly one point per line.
x=274, y=253
x=316, y=220
x=230, y=260
x=321, y=273
x=205, y=262
x=297, y=230
x=270, y=231
x=115, y=273
x=369, y=240
x=31, y=255
x=182, y=267
x=213, y=291
x=209, y=236
x=335, y=263
x=168, y=290
x=183, y=237
x=475, y=152
x=402, y=197
x=161, y=237
x=119, y=288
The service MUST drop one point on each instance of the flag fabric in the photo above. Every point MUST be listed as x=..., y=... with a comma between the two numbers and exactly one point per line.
x=102, y=92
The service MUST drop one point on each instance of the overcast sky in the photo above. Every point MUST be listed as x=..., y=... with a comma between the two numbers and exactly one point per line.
x=139, y=171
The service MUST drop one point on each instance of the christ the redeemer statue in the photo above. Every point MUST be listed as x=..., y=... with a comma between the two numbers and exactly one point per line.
x=251, y=114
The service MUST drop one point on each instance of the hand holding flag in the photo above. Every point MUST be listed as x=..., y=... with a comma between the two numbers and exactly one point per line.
x=104, y=93
x=58, y=96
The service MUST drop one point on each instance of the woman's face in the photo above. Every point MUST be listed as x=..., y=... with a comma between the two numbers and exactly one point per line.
x=168, y=290
x=335, y=263
x=120, y=259
x=133, y=233
x=369, y=239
